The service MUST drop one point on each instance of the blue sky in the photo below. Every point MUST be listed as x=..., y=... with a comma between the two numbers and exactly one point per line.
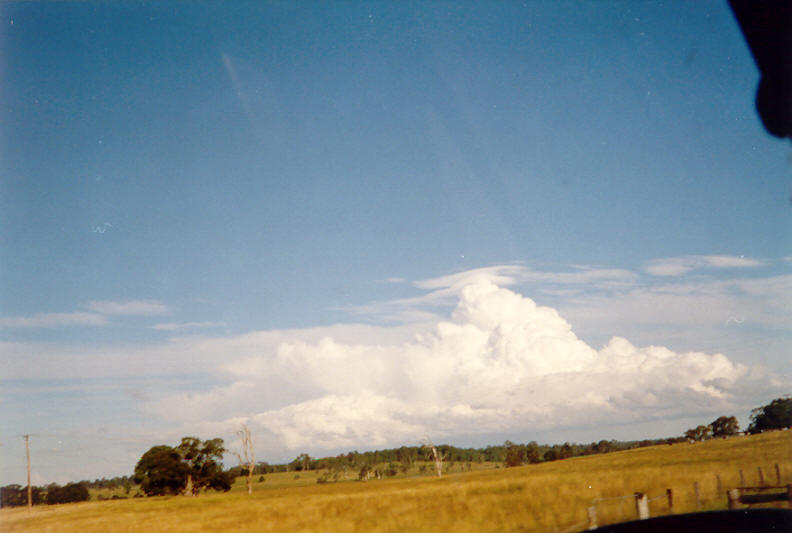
x=195, y=194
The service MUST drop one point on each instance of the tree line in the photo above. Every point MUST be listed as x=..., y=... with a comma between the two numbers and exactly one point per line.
x=775, y=415
x=16, y=495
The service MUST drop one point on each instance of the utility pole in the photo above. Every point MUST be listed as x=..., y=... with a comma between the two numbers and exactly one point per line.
x=27, y=453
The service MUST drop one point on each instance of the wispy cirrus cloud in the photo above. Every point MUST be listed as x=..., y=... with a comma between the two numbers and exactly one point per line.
x=53, y=320
x=442, y=291
x=129, y=307
x=176, y=326
x=503, y=275
x=677, y=266
x=762, y=302
x=508, y=275
x=97, y=315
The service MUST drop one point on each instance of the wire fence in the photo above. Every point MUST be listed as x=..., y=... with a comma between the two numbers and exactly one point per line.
x=614, y=509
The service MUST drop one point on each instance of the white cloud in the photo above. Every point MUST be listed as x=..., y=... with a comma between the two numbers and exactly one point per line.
x=761, y=303
x=500, y=363
x=468, y=357
x=676, y=266
x=184, y=355
x=175, y=326
x=96, y=316
x=473, y=357
x=53, y=320
x=131, y=307
x=443, y=291
x=503, y=275
x=508, y=275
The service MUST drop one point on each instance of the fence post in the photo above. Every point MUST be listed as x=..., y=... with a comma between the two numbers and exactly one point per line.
x=698, y=495
x=761, y=476
x=742, y=479
x=642, y=505
x=734, y=498
x=592, y=517
x=670, y=494
x=778, y=474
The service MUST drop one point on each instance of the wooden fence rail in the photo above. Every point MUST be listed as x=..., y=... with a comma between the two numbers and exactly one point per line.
x=737, y=496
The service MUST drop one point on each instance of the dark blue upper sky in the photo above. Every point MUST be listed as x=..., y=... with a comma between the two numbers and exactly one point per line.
x=265, y=152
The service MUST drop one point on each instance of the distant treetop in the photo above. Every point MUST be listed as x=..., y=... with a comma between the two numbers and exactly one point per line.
x=775, y=415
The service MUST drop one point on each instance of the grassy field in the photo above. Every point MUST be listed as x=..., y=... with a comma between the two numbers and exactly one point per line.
x=544, y=497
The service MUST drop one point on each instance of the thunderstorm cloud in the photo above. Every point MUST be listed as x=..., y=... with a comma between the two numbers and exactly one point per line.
x=498, y=362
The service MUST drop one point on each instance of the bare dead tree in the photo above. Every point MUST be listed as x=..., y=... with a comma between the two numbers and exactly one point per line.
x=247, y=457
x=438, y=458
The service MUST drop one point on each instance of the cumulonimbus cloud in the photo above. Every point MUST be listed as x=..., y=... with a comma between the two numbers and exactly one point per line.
x=499, y=363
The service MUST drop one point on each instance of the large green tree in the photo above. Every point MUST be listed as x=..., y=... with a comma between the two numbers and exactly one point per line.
x=725, y=426
x=205, y=463
x=699, y=433
x=532, y=454
x=775, y=415
x=191, y=466
x=302, y=462
x=515, y=454
x=161, y=471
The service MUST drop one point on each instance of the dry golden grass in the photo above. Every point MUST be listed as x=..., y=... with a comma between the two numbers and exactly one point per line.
x=545, y=497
